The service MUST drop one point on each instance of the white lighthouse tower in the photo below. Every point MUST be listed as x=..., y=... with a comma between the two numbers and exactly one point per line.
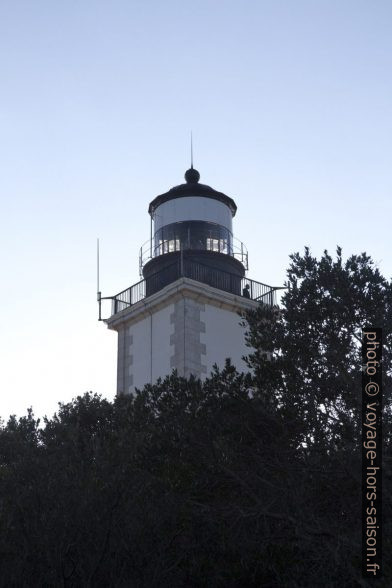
x=184, y=314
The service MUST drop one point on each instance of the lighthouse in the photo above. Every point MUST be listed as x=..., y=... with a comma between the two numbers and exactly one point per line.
x=185, y=312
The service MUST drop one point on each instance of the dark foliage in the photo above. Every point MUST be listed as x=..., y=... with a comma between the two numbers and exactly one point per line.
x=238, y=481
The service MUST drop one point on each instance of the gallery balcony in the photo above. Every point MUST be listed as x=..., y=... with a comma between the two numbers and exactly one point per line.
x=188, y=268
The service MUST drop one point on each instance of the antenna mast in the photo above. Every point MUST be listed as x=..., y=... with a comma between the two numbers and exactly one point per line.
x=98, y=291
x=191, y=151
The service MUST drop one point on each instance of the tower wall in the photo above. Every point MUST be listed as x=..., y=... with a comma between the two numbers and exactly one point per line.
x=143, y=349
x=224, y=338
x=187, y=326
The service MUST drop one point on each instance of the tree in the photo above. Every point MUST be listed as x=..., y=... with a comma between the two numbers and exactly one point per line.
x=240, y=480
x=307, y=355
x=307, y=358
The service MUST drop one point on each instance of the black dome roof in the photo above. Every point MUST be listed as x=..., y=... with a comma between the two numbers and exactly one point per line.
x=192, y=188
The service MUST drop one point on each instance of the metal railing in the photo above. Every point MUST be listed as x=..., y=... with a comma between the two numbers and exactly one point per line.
x=213, y=277
x=128, y=297
x=149, y=250
x=260, y=292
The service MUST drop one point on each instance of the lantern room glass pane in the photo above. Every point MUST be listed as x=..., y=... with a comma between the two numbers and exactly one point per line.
x=195, y=235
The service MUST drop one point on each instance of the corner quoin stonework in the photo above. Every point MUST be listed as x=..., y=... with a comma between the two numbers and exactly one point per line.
x=124, y=360
x=188, y=350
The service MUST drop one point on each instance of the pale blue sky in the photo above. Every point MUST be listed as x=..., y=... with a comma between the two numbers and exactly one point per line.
x=290, y=103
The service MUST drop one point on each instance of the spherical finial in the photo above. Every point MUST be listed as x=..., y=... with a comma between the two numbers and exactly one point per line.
x=192, y=176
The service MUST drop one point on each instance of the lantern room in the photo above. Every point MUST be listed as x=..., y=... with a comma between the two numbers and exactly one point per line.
x=192, y=222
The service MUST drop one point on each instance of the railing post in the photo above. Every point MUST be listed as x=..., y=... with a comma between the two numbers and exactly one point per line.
x=151, y=238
